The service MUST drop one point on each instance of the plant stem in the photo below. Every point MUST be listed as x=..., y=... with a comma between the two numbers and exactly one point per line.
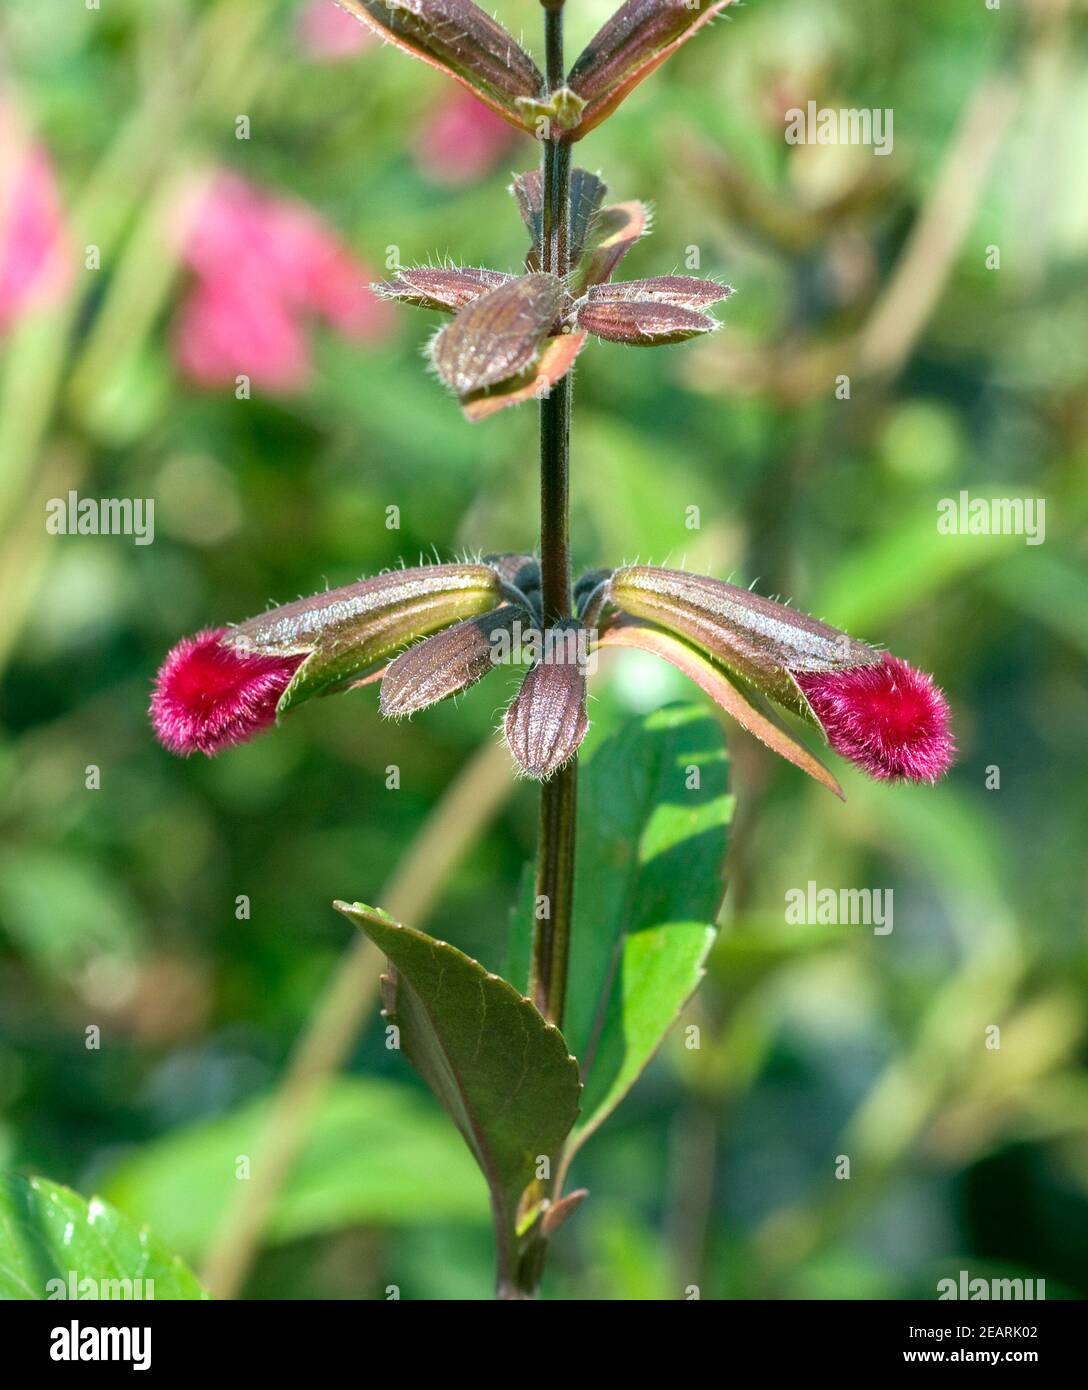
x=558, y=795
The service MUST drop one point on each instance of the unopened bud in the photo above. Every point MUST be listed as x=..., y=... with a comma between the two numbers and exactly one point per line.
x=547, y=721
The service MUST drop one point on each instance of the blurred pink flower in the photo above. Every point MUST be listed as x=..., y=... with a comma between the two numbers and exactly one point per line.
x=263, y=267
x=461, y=140
x=35, y=268
x=328, y=34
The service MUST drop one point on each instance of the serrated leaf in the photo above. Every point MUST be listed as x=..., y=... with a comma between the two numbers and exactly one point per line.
x=372, y=1150
x=648, y=887
x=503, y=1073
x=49, y=1233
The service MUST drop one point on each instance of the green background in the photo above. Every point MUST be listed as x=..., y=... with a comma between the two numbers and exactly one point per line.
x=117, y=906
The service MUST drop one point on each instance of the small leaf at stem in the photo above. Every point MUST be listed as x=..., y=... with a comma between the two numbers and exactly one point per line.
x=613, y=232
x=555, y=362
x=628, y=47
x=503, y=1073
x=461, y=40
x=434, y=287
x=643, y=322
x=498, y=335
x=447, y=663
x=558, y=1213
x=561, y=110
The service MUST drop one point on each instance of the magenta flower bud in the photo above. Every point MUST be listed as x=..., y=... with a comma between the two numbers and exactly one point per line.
x=227, y=684
x=209, y=696
x=876, y=710
x=890, y=719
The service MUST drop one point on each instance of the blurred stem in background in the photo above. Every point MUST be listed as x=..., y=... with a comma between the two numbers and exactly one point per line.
x=125, y=200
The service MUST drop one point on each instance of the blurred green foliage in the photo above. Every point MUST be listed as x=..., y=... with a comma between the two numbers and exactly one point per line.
x=117, y=905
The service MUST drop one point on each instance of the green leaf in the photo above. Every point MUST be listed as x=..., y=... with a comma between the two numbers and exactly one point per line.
x=49, y=1232
x=372, y=1152
x=502, y=1072
x=648, y=888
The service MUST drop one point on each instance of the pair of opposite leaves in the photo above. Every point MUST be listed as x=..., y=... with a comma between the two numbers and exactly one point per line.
x=460, y=39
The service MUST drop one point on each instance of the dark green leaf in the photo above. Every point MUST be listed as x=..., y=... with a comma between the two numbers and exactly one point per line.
x=503, y=1073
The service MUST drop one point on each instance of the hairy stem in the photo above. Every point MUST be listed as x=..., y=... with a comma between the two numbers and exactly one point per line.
x=558, y=795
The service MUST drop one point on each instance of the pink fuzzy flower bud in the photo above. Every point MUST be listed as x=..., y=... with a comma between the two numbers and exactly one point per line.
x=209, y=696
x=890, y=719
